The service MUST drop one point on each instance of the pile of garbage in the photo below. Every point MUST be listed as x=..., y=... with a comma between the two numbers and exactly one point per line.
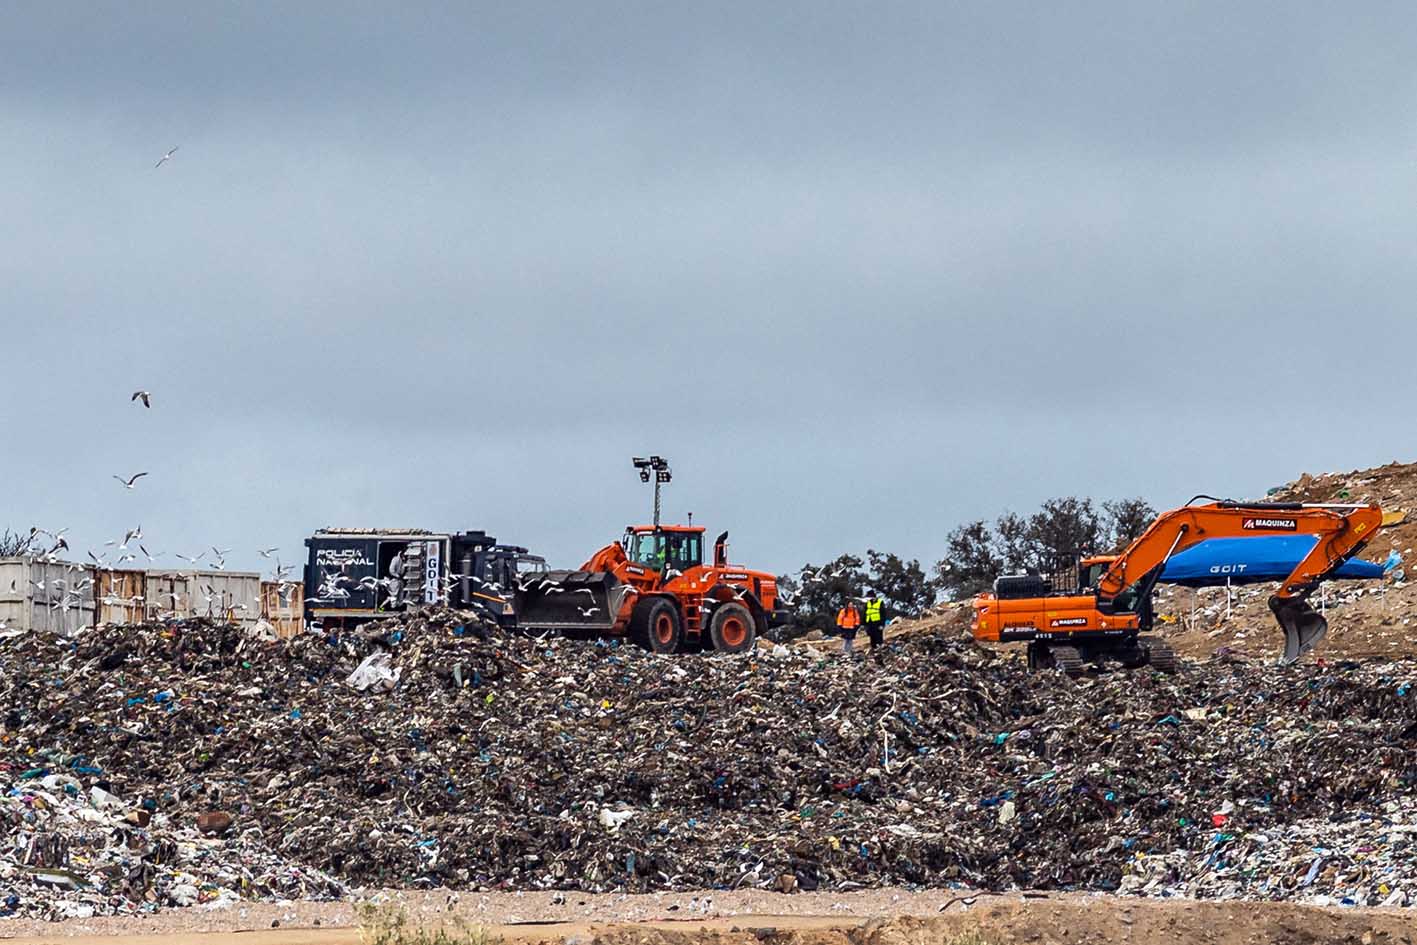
x=193, y=762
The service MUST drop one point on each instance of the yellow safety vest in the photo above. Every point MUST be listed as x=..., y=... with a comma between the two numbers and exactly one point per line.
x=873, y=611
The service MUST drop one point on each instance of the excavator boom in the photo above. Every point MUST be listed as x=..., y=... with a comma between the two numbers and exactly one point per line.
x=1341, y=531
x=1065, y=629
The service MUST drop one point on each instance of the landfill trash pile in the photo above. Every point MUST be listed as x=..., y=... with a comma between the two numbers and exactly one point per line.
x=162, y=765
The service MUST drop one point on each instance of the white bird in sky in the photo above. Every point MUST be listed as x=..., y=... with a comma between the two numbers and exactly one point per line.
x=128, y=483
x=266, y=552
x=167, y=157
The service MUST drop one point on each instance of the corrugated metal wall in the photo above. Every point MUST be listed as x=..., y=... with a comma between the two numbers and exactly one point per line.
x=285, y=611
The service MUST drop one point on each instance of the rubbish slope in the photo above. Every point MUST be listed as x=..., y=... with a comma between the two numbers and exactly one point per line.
x=227, y=766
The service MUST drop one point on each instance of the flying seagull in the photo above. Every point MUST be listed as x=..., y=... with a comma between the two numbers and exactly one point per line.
x=144, y=396
x=166, y=157
x=128, y=483
x=266, y=552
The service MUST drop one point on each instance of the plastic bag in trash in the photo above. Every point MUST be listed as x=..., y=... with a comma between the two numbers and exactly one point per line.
x=375, y=672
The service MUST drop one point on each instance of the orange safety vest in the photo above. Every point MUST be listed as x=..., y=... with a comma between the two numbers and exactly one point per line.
x=848, y=618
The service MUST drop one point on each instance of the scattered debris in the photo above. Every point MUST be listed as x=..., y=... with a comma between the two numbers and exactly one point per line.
x=506, y=761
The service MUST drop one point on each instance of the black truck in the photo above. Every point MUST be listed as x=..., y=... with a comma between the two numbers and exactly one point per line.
x=354, y=575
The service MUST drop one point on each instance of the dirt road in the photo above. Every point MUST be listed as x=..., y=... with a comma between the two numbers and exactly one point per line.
x=869, y=917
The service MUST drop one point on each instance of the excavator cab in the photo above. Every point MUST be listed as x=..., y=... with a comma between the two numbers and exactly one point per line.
x=1090, y=570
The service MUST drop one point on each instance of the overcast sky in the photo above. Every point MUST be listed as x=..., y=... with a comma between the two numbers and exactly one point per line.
x=861, y=271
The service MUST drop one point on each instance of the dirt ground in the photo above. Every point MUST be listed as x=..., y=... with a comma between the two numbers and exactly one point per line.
x=871, y=917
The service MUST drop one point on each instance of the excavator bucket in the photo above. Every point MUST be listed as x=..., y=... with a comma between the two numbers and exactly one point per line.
x=1303, y=626
x=570, y=600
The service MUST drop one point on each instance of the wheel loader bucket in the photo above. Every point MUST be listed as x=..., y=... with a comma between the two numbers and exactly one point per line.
x=1303, y=626
x=569, y=600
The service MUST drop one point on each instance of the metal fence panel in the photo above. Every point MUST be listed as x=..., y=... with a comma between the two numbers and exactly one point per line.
x=235, y=595
x=40, y=594
x=285, y=611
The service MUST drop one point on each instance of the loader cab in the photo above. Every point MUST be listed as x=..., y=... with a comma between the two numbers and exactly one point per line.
x=669, y=546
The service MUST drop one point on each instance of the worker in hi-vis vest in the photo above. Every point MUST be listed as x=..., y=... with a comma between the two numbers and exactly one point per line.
x=848, y=618
x=875, y=628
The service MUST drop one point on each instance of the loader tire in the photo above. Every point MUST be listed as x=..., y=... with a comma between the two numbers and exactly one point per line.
x=655, y=625
x=732, y=628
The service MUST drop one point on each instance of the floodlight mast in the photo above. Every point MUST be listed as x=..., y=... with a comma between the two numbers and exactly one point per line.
x=656, y=467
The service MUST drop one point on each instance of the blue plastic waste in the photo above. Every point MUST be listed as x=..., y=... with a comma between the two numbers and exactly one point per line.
x=1252, y=560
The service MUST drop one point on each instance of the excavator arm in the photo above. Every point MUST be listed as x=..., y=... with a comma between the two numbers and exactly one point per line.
x=1341, y=531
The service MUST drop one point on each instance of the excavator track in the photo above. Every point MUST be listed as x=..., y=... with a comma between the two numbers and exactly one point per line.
x=1068, y=659
x=1159, y=655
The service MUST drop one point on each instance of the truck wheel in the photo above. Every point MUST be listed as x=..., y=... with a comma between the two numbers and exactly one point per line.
x=732, y=628
x=655, y=625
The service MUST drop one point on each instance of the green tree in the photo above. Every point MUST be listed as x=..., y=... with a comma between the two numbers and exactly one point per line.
x=1049, y=540
x=1125, y=520
x=1015, y=544
x=905, y=589
x=1064, y=528
x=822, y=590
x=971, y=561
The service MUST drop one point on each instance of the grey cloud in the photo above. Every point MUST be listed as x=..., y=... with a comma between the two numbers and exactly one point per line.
x=862, y=270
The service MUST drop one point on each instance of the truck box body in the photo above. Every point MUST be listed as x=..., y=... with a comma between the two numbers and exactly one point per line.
x=354, y=575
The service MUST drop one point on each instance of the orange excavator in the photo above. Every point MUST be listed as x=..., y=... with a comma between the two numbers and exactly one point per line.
x=655, y=587
x=1111, y=609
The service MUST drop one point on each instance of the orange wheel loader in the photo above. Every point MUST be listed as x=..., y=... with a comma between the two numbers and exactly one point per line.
x=654, y=587
x=1106, y=617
